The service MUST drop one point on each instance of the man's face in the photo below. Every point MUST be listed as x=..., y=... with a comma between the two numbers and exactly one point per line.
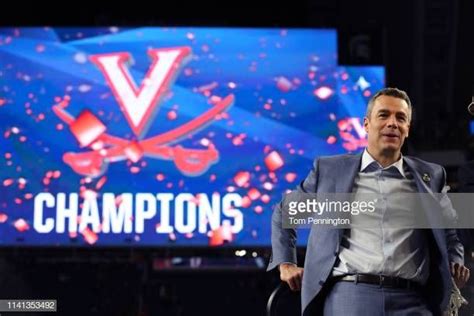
x=388, y=125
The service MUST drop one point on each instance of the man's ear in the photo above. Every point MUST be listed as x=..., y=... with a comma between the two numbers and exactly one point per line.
x=366, y=124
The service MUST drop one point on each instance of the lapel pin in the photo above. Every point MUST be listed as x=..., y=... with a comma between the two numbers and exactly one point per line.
x=426, y=177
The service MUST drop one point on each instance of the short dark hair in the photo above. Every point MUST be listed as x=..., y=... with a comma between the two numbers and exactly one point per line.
x=391, y=92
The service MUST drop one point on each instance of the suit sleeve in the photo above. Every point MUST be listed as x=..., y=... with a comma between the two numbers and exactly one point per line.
x=453, y=243
x=284, y=239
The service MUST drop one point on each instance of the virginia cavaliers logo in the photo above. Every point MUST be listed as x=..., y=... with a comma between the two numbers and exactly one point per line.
x=139, y=105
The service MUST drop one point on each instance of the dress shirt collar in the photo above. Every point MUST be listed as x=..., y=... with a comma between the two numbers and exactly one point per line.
x=367, y=159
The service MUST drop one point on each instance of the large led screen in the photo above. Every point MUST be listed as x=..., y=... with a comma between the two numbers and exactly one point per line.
x=166, y=136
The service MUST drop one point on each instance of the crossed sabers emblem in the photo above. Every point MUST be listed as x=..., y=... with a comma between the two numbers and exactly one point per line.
x=138, y=106
x=105, y=148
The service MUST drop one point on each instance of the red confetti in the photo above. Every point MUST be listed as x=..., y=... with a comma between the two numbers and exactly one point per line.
x=172, y=115
x=160, y=177
x=331, y=140
x=350, y=146
x=208, y=87
x=89, y=236
x=346, y=136
x=258, y=209
x=241, y=178
x=323, y=92
x=21, y=225
x=2, y=101
x=246, y=202
x=253, y=194
x=134, y=169
x=172, y=236
x=87, y=128
x=290, y=177
x=273, y=161
x=118, y=200
x=7, y=182
x=265, y=198
x=283, y=84
x=221, y=235
x=343, y=125
x=237, y=141
x=101, y=183
x=3, y=218
x=205, y=142
x=215, y=99
x=268, y=186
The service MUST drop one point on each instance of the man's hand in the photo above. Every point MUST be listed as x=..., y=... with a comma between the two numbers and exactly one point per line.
x=292, y=275
x=460, y=274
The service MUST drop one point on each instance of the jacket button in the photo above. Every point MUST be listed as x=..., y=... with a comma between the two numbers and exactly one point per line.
x=321, y=282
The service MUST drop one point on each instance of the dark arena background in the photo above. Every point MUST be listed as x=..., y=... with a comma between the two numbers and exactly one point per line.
x=164, y=207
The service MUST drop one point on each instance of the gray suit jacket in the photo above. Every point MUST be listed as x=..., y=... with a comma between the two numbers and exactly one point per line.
x=336, y=174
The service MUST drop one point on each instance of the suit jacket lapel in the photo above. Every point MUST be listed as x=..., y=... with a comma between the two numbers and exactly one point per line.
x=346, y=173
x=423, y=186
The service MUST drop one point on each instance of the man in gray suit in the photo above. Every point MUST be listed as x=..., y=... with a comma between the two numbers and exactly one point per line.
x=373, y=271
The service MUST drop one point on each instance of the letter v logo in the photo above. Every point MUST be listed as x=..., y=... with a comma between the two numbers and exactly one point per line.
x=141, y=104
